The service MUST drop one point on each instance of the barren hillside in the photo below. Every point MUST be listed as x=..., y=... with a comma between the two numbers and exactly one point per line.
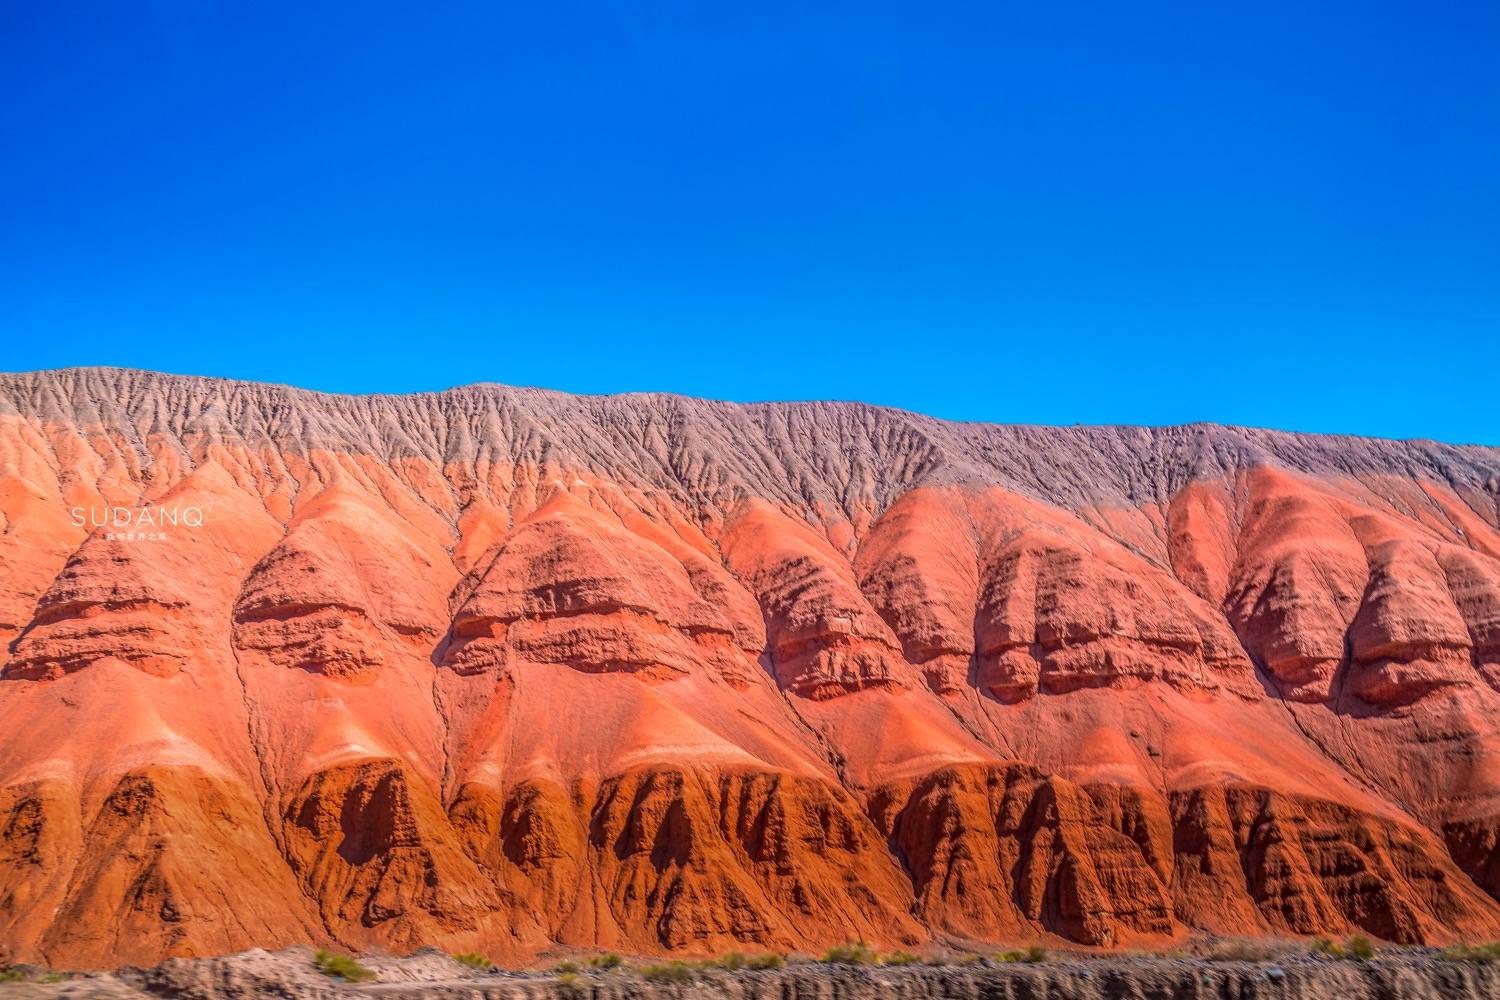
x=501, y=668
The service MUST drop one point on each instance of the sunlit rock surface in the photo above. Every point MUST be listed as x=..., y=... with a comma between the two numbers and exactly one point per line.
x=503, y=669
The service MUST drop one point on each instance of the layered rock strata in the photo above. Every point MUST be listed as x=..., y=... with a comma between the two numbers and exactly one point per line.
x=501, y=669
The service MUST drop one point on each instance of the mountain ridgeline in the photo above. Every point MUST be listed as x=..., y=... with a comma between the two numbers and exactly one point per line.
x=502, y=669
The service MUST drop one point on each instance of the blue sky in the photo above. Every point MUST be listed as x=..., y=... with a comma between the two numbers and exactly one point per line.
x=1052, y=213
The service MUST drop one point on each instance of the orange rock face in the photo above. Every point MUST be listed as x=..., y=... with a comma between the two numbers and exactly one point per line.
x=502, y=670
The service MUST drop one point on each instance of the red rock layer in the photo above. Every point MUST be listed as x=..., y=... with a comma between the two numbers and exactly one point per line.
x=498, y=669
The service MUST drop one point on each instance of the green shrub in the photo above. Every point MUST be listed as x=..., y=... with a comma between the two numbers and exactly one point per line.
x=1356, y=946
x=1239, y=950
x=768, y=961
x=730, y=961
x=850, y=953
x=606, y=962
x=899, y=958
x=567, y=984
x=1486, y=953
x=341, y=967
x=668, y=972
x=565, y=969
x=475, y=961
x=11, y=976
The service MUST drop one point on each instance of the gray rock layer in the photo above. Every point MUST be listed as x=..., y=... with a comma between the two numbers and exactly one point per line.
x=289, y=975
x=823, y=453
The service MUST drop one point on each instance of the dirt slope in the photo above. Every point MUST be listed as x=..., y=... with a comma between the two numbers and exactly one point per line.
x=501, y=668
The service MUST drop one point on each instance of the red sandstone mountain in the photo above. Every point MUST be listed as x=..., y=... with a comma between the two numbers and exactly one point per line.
x=497, y=668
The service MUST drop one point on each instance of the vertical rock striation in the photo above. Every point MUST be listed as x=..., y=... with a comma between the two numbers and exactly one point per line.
x=500, y=669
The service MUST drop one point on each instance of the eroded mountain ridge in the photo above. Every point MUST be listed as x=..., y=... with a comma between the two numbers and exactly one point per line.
x=501, y=668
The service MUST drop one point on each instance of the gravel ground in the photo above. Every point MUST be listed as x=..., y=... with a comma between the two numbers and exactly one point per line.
x=292, y=973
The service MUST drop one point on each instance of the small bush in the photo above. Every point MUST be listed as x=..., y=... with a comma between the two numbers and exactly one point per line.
x=730, y=961
x=475, y=961
x=1033, y=954
x=899, y=958
x=567, y=984
x=1239, y=950
x=850, y=953
x=565, y=969
x=1356, y=946
x=606, y=962
x=668, y=972
x=763, y=962
x=341, y=967
x=11, y=976
x=1486, y=953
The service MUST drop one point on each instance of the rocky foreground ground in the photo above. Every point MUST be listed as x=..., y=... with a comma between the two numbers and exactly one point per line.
x=293, y=973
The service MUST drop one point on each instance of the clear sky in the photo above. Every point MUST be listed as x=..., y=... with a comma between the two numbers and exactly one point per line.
x=1279, y=214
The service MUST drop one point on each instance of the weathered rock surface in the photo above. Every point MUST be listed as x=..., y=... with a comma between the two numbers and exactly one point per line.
x=504, y=669
x=291, y=974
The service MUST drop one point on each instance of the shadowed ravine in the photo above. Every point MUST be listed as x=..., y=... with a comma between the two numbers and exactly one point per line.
x=503, y=669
